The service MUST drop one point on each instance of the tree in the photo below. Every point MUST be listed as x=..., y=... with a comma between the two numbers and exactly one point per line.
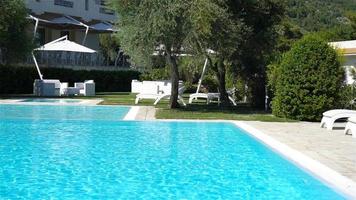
x=316, y=15
x=15, y=42
x=308, y=81
x=240, y=33
x=232, y=29
x=150, y=25
x=262, y=17
x=214, y=28
x=111, y=50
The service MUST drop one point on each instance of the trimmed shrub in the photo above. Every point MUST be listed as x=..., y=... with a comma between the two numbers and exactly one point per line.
x=19, y=80
x=309, y=81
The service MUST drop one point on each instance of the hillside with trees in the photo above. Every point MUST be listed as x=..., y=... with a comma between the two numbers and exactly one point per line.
x=316, y=15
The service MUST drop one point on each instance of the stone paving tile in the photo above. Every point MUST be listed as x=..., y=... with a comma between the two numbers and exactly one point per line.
x=332, y=148
x=146, y=113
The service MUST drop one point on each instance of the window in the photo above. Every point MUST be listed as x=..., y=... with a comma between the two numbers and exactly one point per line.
x=41, y=36
x=86, y=4
x=64, y=3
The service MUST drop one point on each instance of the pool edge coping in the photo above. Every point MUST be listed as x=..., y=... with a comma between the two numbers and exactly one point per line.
x=131, y=115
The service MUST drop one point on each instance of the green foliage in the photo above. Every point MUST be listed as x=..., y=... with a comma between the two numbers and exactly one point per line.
x=338, y=33
x=109, y=46
x=316, y=15
x=155, y=74
x=19, y=80
x=15, y=43
x=209, y=83
x=241, y=40
x=308, y=80
x=191, y=68
x=288, y=33
x=346, y=31
x=145, y=24
x=148, y=26
x=348, y=96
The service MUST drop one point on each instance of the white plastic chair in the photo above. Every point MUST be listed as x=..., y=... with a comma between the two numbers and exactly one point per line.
x=330, y=116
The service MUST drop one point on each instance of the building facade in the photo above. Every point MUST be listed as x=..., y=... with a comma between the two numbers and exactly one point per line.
x=81, y=20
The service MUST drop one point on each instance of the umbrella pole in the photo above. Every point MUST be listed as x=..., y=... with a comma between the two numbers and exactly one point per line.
x=35, y=29
x=38, y=69
x=85, y=36
x=202, y=75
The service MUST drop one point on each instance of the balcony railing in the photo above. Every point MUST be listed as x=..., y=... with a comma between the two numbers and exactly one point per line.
x=76, y=60
x=64, y=3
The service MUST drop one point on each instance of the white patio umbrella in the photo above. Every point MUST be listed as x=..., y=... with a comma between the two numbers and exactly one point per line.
x=60, y=44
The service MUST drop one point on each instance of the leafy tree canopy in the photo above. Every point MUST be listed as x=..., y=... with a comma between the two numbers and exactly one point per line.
x=15, y=43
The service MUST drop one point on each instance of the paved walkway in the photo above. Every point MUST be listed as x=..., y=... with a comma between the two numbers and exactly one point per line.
x=332, y=148
x=146, y=113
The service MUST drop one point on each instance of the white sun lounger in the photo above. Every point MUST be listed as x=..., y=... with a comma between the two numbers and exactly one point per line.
x=209, y=97
x=161, y=91
x=167, y=96
x=350, y=128
x=329, y=117
x=159, y=97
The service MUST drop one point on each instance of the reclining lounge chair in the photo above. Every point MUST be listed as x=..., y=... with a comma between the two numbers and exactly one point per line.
x=209, y=97
x=330, y=116
x=158, y=90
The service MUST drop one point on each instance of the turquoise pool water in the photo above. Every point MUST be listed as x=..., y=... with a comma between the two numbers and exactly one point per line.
x=101, y=158
x=65, y=112
x=51, y=100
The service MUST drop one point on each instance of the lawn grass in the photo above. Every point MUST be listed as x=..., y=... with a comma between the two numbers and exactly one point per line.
x=214, y=113
x=198, y=110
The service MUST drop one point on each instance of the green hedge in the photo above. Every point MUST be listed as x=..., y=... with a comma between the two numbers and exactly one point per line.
x=19, y=80
x=309, y=81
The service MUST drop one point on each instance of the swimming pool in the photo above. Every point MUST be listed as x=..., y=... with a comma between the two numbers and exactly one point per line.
x=64, y=112
x=99, y=158
x=41, y=100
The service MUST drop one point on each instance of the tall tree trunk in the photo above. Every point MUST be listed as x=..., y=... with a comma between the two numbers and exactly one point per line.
x=221, y=72
x=173, y=103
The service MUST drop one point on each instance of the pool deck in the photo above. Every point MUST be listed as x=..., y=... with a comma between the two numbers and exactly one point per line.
x=146, y=113
x=331, y=148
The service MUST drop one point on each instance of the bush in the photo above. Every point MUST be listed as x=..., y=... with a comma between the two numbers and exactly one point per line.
x=19, y=80
x=156, y=74
x=308, y=82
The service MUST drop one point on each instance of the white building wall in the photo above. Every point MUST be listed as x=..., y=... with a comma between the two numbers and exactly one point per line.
x=78, y=9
